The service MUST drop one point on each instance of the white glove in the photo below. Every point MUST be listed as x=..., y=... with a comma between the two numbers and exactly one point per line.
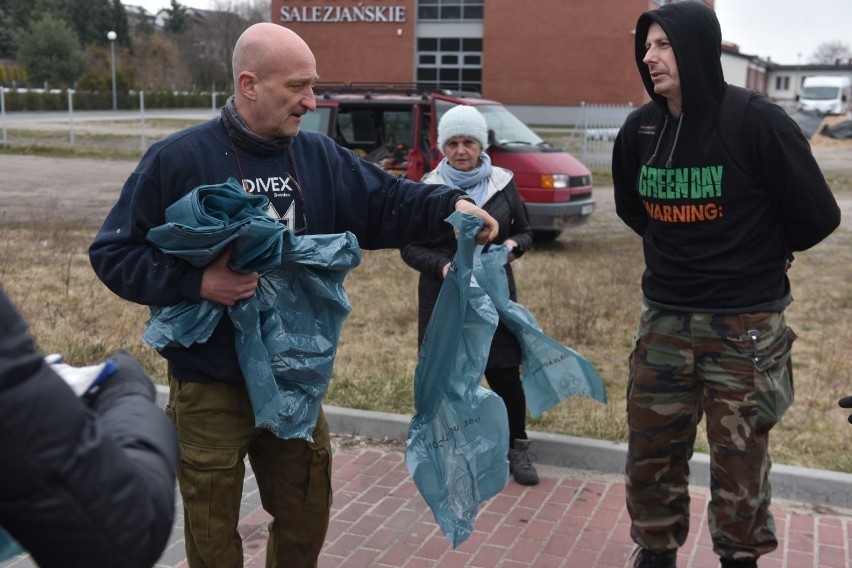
x=82, y=380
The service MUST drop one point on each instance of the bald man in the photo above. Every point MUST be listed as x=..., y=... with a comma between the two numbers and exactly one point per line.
x=314, y=187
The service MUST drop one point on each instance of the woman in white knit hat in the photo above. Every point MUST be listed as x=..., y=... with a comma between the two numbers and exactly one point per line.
x=463, y=138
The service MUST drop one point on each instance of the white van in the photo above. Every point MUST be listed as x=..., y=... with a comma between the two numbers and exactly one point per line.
x=826, y=94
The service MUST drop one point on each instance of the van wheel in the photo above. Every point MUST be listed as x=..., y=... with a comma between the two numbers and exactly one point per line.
x=545, y=236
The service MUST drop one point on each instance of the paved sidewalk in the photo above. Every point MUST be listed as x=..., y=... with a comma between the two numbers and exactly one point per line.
x=571, y=519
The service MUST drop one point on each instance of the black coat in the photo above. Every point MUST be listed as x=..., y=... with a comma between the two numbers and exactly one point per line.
x=506, y=206
x=79, y=487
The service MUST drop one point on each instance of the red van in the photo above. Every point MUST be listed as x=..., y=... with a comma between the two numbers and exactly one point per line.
x=395, y=126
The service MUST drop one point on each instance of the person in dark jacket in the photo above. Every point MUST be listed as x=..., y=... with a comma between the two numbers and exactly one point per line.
x=718, y=234
x=314, y=186
x=463, y=138
x=85, y=481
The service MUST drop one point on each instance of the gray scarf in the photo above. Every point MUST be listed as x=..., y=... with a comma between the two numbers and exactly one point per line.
x=243, y=136
x=474, y=182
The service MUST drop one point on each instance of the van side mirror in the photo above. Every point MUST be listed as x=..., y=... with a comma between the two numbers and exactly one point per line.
x=492, y=138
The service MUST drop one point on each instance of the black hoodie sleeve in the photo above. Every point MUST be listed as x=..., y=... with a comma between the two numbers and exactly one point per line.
x=625, y=169
x=787, y=167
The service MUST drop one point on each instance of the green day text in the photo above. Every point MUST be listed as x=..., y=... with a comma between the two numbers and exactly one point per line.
x=681, y=183
x=693, y=184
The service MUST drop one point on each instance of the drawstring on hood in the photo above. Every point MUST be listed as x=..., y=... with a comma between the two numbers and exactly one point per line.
x=653, y=157
x=669, y=162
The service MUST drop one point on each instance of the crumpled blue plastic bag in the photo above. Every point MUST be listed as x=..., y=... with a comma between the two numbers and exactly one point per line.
x=9, y=547
x=550, y=371
x=287, y=333
x=206, y=220
x=198, y=228
x=458, y=439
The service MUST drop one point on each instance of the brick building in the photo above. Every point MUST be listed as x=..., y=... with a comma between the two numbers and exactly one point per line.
x=542, y=52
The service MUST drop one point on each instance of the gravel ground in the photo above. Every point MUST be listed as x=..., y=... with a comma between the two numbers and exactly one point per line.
x=85, y=189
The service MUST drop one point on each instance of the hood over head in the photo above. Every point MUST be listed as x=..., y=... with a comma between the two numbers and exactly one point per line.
x=696, y=39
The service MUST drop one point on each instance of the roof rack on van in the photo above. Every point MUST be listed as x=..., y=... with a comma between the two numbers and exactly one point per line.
x=336, y=87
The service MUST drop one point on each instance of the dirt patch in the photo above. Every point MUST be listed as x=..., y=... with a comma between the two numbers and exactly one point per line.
x=73, y=189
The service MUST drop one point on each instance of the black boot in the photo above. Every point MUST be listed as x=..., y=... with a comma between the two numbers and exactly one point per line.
x=520, y=463
x=646, y=559
x=746, y=563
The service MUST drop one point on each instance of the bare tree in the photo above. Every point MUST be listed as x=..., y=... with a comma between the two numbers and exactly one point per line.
x=252, y=11
x=831, y=52
x=157, y=62
x=210, y=36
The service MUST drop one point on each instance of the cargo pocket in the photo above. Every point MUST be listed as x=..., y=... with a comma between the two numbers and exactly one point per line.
x=773, y=377
x=211, y=483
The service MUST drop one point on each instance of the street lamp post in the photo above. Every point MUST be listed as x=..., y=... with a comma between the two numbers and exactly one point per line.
x=111, y=35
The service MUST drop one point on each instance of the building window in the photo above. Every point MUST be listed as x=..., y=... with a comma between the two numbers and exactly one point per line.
x=782, y=83
x=450, y=63
x=449, y=9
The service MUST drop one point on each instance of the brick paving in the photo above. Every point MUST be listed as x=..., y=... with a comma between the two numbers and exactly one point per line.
x=571, y=519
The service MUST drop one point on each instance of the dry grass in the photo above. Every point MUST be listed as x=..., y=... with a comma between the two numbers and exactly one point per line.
x=45, y=270
x=583, y=289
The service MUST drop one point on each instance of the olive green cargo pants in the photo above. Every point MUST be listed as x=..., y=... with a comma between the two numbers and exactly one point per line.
x=215, y=424
x=735, y=369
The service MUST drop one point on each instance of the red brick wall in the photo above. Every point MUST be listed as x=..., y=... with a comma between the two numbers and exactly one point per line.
x=548, y=52
x=357, y=51
x=560, y=52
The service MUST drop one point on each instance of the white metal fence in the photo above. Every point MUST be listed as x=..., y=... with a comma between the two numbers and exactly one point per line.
x=599, y=127
x=587, y=130
x=71, y=114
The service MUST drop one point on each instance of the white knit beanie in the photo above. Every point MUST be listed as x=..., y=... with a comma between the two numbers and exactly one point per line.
x=462, y=120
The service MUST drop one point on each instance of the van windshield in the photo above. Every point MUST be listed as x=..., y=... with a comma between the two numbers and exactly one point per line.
x=317, y=121
x=819, y=93
x=508, y=128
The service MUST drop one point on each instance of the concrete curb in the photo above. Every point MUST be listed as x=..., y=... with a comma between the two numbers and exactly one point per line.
x=827, y=488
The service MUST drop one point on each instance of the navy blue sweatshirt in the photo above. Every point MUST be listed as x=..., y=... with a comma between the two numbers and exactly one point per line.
x=314, y=187
x=716, y=237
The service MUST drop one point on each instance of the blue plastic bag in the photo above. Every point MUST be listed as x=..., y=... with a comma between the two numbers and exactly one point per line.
x=9, y=547
x=206, y=220
x=550, y=371
x=198, y=228
x=286, y=334
x=458, y=439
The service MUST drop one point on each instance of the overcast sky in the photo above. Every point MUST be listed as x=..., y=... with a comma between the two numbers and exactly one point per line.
x=783, y=29
x=780, y=30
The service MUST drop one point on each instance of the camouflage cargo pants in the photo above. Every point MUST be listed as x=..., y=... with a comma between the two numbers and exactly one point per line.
x=215, y=425
x=735, y=369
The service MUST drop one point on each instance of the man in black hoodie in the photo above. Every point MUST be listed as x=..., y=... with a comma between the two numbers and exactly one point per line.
x=718, y=233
